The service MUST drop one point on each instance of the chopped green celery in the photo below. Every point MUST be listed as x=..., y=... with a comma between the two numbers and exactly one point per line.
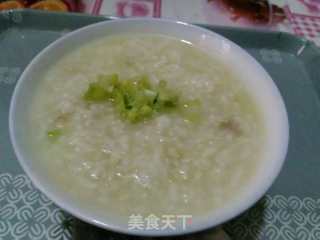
x=108, y=82
x=133, y=115
x=137, y=114
x=54, y=134
x=167, y=99
x=146, y=110
x=102, y=89
x=95, y=93
x=142, y=98
x=150, y=95
x=135, y=99
x=119, y=103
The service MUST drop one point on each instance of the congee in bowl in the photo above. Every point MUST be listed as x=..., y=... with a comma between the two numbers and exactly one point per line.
x=191, y=156
x=146, y=123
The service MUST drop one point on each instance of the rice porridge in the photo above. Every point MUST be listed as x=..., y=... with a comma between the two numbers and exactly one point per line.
x=171, y=162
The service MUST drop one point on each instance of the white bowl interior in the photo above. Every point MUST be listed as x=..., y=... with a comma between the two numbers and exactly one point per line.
x=245, y=67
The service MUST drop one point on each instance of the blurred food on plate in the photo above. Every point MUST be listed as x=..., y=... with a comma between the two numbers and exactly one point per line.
x=49, y=5
x=248, y=12
x=11, y=5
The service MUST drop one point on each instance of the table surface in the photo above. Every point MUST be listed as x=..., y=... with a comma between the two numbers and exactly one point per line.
x=300, y=17
x=291, y=207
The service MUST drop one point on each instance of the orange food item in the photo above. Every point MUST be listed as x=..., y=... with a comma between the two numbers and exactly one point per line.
x=11, y=5
x=50, y=5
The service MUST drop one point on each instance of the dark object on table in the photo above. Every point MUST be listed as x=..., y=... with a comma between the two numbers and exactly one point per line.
x=256, y=11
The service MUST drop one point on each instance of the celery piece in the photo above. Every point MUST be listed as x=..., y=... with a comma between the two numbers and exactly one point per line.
x=167, y=99
x=146, y=111
x=95, y=93
x=133, y=115
x=150, y=95
x=108, y=82
x=119, y=103
x=128, y=100
x=103, y=89
x=54, y=134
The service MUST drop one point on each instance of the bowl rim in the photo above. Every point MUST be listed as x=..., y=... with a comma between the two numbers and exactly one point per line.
x=76, y=211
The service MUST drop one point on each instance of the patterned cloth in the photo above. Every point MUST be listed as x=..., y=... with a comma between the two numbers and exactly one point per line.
x=304, y=25
x=279, y=217
x=25, y=213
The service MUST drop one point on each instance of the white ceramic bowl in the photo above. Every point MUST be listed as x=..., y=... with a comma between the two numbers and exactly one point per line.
x=247, y=69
